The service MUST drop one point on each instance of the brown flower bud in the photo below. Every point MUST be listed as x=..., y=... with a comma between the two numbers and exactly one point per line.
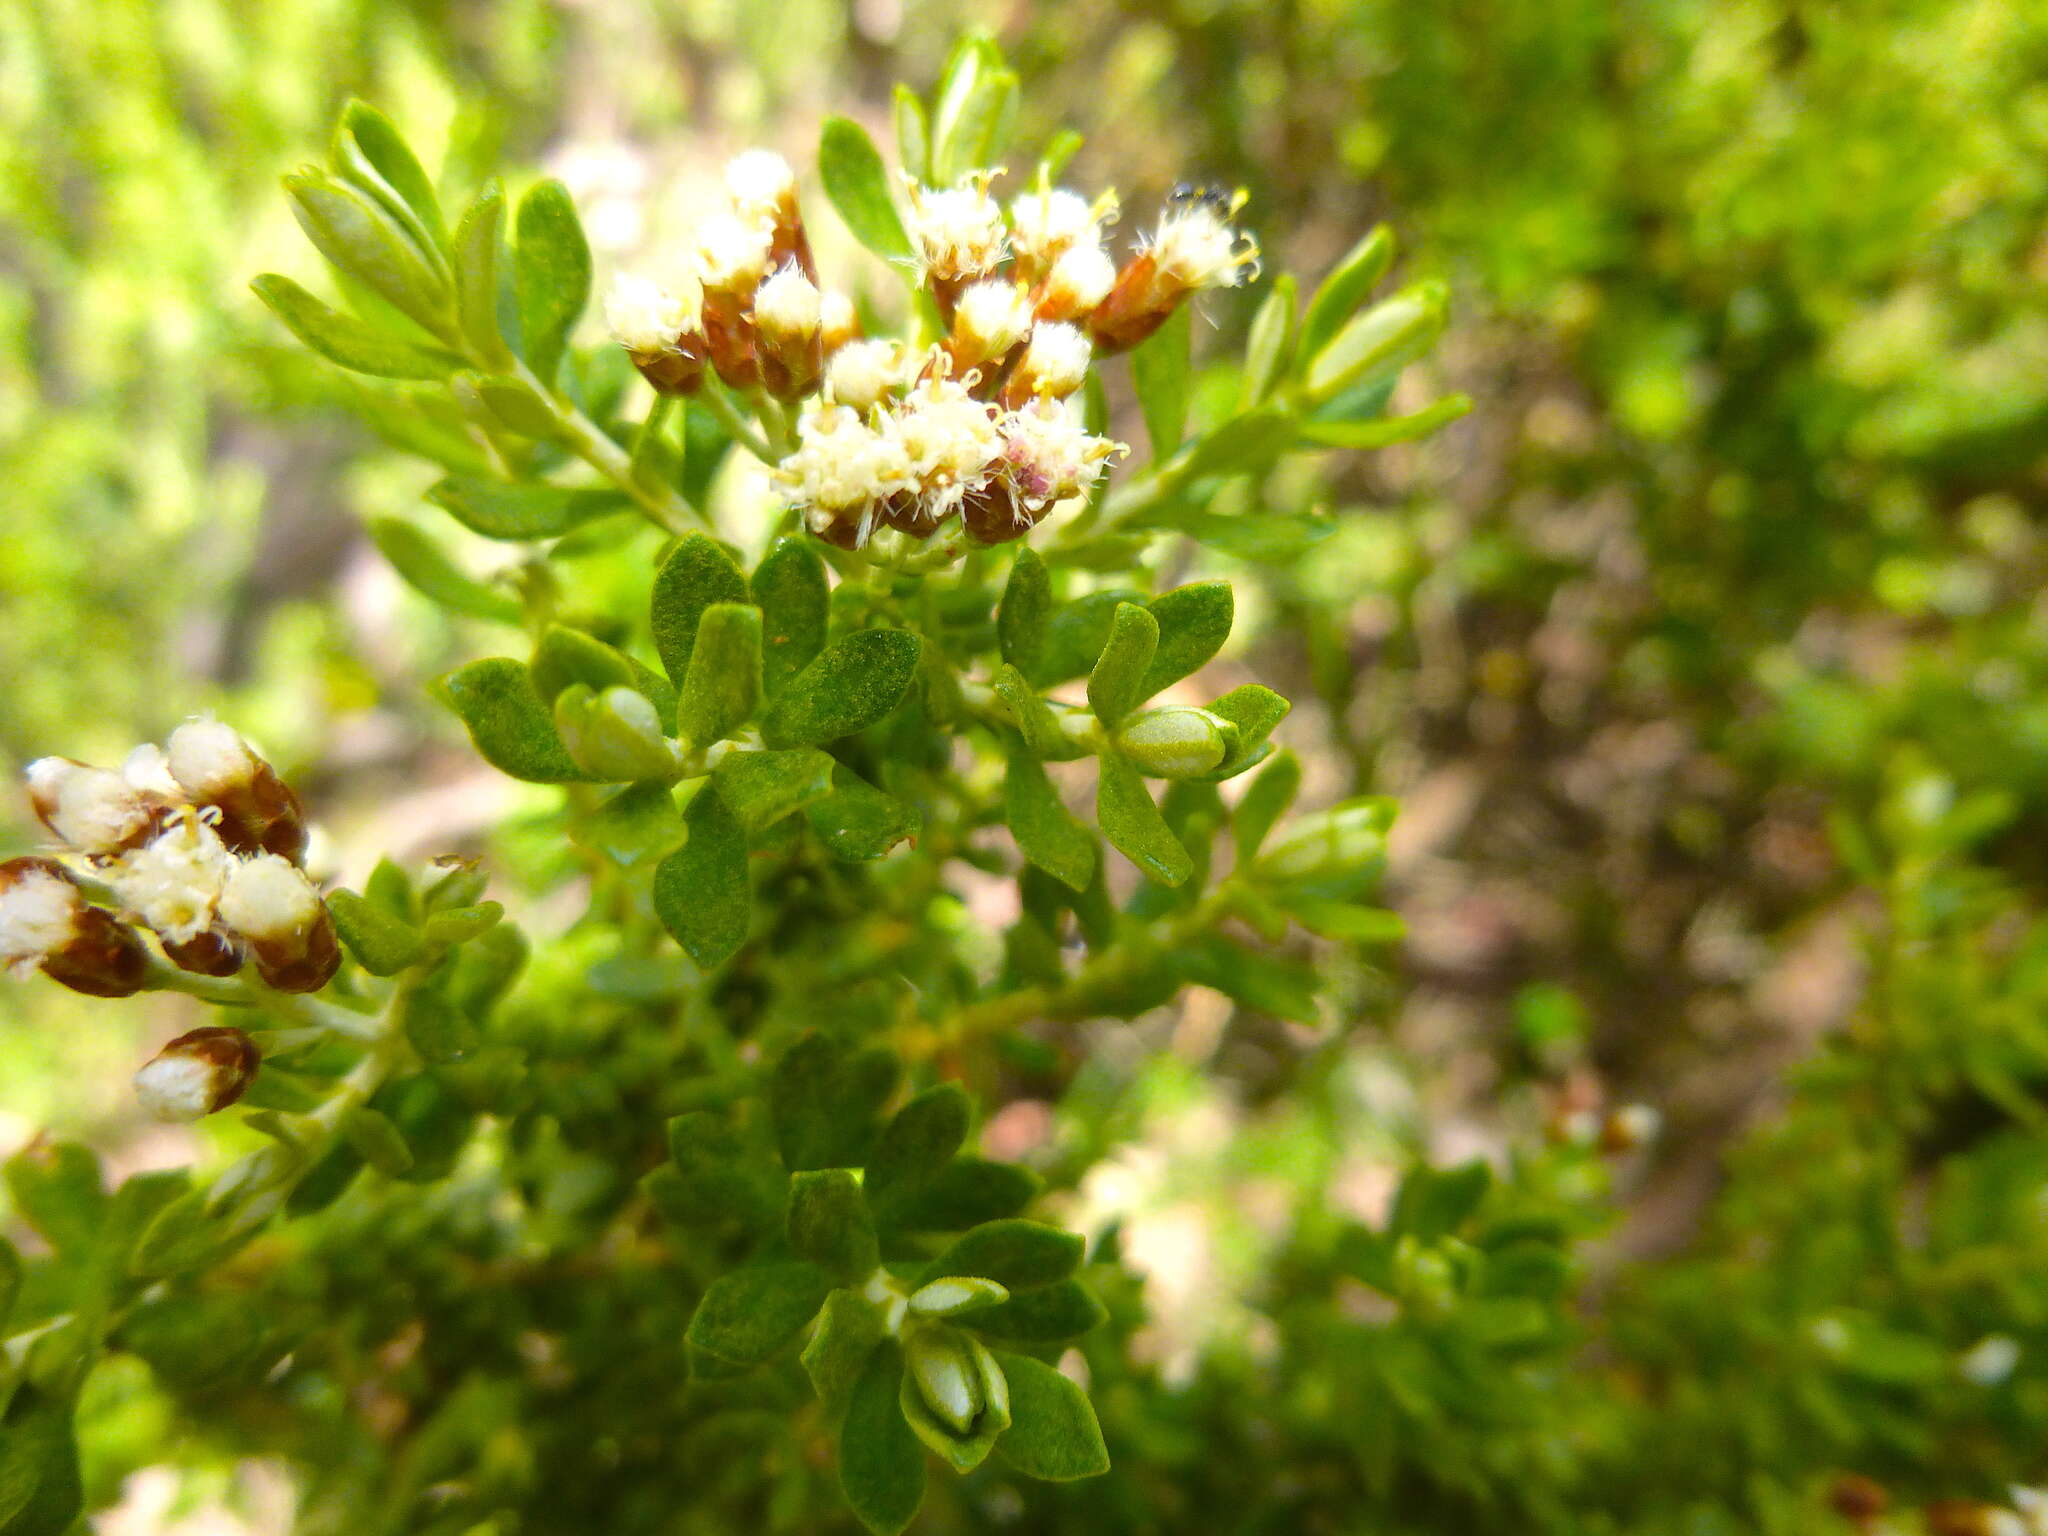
x=993, y=514
x=45, y=921
x=1194, y=248
x=763, y=190
x=788, y=321
x=212, y=953
x=198, y=1074
x=258, y=811
x=95, y=810
x=271, y=904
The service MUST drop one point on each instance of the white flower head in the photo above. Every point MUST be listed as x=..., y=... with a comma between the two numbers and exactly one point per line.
x=39, y=911
x=862, y=374
x=958, y=230
x=176, y=1088
x=95, y=810
x=788, y=304
x=1045, y=224
x=1079, y=280
x=762, y=185
x=951, y=439
x=838, y=321
x=843, y=467
x=173, y=882
x=269, y=898
x=1049, y=455
x=990, y=318
x=1056, y=360
x=732, y=252
x=648, y=318
x=148, y=769
x=209, y=759
x=1196, y=245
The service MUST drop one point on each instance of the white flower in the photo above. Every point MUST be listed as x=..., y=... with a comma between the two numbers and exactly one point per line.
x=647, y=318
x=209, y=759
x=1196, y=246
x=732, y=252
x=1079, y=280
x=177, y=1089
x=1044, y=224
x=94, y=810
x=762, y=185
x=842, y=466
x=173, y=882
x=989, y=319
x=862, y=373
x=39, y=910
x=838, y=323
x=1055, y=362
x=1049, y=455
x=269, y=898
x=788, y=305
x=958, y=231
x=952, y=442
x=149, y=770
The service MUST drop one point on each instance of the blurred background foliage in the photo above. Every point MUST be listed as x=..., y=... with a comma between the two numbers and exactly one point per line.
x=1706, y=656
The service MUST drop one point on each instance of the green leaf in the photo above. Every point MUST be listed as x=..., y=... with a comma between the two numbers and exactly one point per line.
x=748, y=1316
x=829, y=1224
x=1244, y=445
x=702, y=891
x=1025, y=610
x=436, y=1028
x=1047, y=833
x=824, y=1101
x=1270, y=347
x=1117, y=683
x=1256, y=980
x=848, y=1330
x=1346, y=922
x=1075, y=636
x=858, y=184
x=724, y=681
x=763, y=787
x=511, y=727
x=913, y=133
x=856, y=682
x=1380, y=341
x=881, y=1463
x=499, y=511
x=1034, y=718
x=1265, y=801
x=1339, y=295
x=1194, y=621
x=385, y=152
x=1132, y=823
x=565, y=657
x=790, y=588
x=352, y=231
x=953, y=1394
x=1052, y=1314
x=551, y=275
x=720, y=1180
x=918, y=1142
x=427, y=569
x=1386, y=430
x=633, y=827
x=380, y=943
x=421, y=420
x=1433, y=1203
x=352, y=343
x=376, y=1140
x=514, y=404
x=1269, y=538
x=40, y=1491
x=965, y=1193
x=955, y=1294
x=1176, y=742
x=970, y=111
x=1053, y=1435
x=1015, y=1253
x=1255, y=710
x=1164, y=378
x=697, y=573
x=449, y=926
x=858, y=821
x=479, y=246
x=1063, y=146
x=58, y=1190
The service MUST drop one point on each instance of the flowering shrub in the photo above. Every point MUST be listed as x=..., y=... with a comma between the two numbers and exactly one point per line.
x=590, y=1213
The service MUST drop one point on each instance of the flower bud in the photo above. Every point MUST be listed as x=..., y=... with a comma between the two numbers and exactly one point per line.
x=955, y=1396
x=173, y=884
x=958, y=235
x=1054, y=365
x=763, y=190
x=732, y=258
x=1077, y=283
x=45, y=921
x=953, y=447
x=94, y=810
x=258, y=811
x=1194, y=248
x=198, y=1074
x=1045, y=225
x=862, y=374
x=838, y=322
x=662, y=331
x=615, y=735
x=1332, y=843
x=1175, y=743
x=787, y=324
x=990, y=318
x=271, y=904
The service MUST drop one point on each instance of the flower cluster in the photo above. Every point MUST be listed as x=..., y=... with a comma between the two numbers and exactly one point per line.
x=200, y=842
x=980, y=424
